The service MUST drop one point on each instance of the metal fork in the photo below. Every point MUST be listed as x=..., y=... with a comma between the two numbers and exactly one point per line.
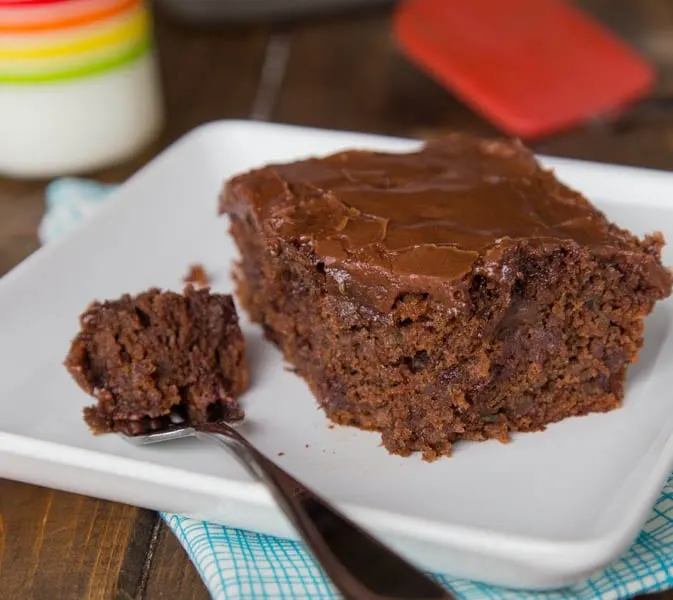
x=359, y=565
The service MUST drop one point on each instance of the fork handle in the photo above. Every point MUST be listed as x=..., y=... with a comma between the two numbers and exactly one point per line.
x=358, y=564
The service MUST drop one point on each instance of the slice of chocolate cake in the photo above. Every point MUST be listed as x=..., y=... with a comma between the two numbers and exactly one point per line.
x=147, y=356
x=457, y=292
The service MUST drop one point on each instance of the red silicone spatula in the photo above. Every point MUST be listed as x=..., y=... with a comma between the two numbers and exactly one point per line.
x=532, y=67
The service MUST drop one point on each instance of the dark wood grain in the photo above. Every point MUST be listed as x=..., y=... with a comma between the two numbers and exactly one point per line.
x=350, y=75
x=340, y=73
x=171, y=575
x=55, y=545
x=21, y=206
x=207, y=74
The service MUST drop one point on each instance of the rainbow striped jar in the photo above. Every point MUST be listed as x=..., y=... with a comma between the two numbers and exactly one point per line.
x=78, y=85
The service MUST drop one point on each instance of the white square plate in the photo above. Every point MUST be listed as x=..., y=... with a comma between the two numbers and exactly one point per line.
x=545, y=510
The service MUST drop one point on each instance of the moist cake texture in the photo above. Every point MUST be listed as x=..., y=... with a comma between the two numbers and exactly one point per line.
x=457, y=292
x=146, y=356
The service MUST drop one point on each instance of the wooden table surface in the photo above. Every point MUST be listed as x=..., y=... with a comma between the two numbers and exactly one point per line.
x=341, y=73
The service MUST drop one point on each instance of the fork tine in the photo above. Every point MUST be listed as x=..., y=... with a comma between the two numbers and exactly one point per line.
x=172, y=432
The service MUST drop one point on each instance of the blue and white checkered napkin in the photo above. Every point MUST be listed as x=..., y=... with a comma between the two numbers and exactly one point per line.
x=245, y=565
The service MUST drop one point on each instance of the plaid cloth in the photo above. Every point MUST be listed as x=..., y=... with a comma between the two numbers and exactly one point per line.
x=245, y=565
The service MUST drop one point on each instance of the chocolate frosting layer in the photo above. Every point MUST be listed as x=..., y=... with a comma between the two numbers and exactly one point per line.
x=383, y=225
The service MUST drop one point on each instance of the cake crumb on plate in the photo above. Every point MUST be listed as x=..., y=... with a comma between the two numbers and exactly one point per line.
x=197, y=275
